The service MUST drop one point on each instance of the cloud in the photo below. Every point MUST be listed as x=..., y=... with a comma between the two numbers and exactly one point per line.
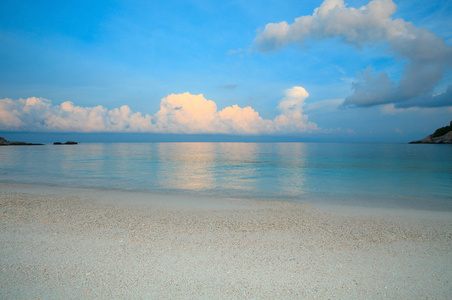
x=38, y=114
x=372, y=89
x=329, y=105
x=228, y=86
x=186, y=113
x=294, y=100
x=427, y=101
x=390, y=109
x=292, y=116
x=234, y=51
x=427, y=55
x=178, y=113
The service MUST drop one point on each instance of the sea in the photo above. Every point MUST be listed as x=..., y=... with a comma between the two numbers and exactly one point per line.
x=362, y=174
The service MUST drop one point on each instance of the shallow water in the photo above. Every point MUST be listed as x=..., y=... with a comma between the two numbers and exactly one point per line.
x=389, y=175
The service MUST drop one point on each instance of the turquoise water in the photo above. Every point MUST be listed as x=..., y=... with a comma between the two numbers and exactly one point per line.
x=390, y=175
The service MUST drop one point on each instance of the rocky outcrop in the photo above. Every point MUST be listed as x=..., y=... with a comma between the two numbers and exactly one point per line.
x=67, y=143
x=442, y=135
x=4, y=142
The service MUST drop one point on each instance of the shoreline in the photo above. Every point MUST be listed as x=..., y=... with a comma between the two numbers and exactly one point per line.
x=322, y=202
x=69, y=243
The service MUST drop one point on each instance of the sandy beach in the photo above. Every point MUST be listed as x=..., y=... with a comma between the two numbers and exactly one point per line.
x=78, y=243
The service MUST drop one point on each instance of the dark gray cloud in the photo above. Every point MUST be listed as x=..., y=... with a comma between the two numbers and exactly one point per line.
x=228, y=86
x=439, y=100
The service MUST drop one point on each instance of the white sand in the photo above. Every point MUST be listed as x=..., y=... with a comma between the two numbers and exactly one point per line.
x=64, y=243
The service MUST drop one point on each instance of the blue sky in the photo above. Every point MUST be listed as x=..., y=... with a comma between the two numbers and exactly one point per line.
x=218, y=67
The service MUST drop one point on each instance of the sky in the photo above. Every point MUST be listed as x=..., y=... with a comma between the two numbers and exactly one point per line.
x=311, y=70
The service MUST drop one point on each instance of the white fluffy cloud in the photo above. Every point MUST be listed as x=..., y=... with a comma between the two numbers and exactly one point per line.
x=179, y=113
x=427, y=55
x=292, y=117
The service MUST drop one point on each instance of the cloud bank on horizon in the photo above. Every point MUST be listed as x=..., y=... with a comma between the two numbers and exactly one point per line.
x=179, y=113
x=427, y=55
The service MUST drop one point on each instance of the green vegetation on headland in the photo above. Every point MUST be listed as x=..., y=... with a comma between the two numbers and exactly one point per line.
x=441, y=135
x=442, y=131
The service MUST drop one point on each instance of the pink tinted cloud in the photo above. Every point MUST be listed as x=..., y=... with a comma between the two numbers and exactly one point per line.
x=179, y=113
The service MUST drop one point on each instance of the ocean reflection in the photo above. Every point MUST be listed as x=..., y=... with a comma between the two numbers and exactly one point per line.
x=232, y=168
x=187, y=166
x=292, y=175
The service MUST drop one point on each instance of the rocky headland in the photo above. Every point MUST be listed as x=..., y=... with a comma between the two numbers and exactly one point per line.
x=442, y=135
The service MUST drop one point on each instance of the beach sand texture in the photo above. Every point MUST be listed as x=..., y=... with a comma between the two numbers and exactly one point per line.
x=69, y=243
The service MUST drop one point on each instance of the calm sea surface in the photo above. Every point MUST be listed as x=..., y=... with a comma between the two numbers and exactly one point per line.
x=390, y=175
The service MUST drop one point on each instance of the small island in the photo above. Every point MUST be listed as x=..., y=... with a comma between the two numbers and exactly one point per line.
x=4, y=142
x=442, y=135
x=67, y=143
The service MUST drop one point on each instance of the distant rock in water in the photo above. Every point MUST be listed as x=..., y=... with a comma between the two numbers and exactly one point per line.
x=67, y=143
x=4, y=142
x=442, y=135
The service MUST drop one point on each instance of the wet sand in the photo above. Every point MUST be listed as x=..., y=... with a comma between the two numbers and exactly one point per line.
x=75, y=243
